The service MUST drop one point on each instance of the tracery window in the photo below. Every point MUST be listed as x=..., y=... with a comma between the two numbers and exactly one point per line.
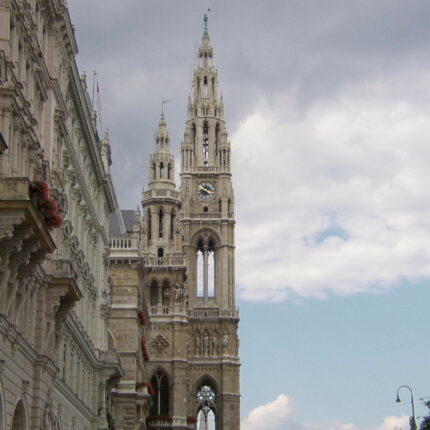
x=160, y=404
x=206, y=403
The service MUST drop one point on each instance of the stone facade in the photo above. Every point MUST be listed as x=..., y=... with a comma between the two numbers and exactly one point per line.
x=186, y=246
x=57, y=366
x=130, y=400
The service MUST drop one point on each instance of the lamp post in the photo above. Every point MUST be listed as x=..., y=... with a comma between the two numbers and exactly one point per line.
x=412, y=420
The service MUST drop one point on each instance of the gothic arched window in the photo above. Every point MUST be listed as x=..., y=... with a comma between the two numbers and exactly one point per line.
x=161, y=170
x=205, y=268
x=205, y=140
x=216, y=138
x=206, y=416
x=160, y=401
x=200, y=270
x=19, y=417
x=169, y=168
x=211, y=269
x=205, y=87
x=154, y=171
x=160, y=252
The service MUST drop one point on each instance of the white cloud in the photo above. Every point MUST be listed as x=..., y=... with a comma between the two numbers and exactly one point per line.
x=334, y=199
x=270, y=415
x=279, y=415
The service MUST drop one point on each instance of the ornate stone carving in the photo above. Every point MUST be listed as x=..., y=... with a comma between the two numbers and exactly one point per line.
x=159, y=345
x=225, y=341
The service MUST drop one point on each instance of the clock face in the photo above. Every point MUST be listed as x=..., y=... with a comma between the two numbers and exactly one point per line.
x=205, y=190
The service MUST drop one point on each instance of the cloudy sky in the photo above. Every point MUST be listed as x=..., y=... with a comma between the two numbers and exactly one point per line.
x=328, y=110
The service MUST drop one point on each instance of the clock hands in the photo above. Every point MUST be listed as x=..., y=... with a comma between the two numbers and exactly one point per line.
x=201, y=187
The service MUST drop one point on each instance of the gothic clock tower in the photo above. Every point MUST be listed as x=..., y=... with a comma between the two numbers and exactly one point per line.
x=207, y=218
x=188, y=251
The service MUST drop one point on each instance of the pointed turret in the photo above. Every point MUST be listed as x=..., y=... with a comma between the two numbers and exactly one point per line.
x=162, y=164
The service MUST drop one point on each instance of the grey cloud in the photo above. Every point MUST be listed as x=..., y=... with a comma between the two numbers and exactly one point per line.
x=309, y=50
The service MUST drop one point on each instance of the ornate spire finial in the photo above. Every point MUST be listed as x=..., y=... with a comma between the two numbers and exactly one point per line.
x=205, y=20
x=163, y=102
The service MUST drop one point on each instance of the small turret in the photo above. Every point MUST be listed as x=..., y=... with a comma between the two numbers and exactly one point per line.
x=162, y=163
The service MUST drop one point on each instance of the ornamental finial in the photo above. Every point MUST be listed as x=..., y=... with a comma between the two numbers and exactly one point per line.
x=205, y=19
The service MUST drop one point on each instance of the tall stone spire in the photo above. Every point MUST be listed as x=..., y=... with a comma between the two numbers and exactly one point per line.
x=162, y=164
x=205, y=140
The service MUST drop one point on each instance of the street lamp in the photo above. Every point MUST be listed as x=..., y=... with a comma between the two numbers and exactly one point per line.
x=412, y=420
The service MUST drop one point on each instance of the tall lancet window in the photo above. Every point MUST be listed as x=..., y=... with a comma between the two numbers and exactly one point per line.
x=194, y=136
x=200, y=269
x=211, y=269
x=161, y=170
x=205, y=87
x=172, y=223
x=160, y=401
x=149, y=224
x=206, y=268
x=205, y=140
x=160, y=222
x=216, y=138
x=154, y=171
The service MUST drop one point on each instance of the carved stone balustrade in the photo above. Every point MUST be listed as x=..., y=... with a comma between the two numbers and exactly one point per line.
x=159, y=422
x=163, y=263
x=171, y=196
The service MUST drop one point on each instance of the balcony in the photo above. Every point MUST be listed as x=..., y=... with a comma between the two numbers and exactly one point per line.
x=19, y=217
x=123, y=246
x=166, y=195
x=159, y=422
x=164, y=263
x=210, y=314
